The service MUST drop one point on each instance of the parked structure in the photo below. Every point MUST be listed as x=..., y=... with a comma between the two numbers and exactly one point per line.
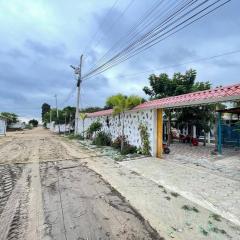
x=151, y=114
x=3, y=126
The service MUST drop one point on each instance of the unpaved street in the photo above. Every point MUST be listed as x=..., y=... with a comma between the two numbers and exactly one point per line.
x=47, y=192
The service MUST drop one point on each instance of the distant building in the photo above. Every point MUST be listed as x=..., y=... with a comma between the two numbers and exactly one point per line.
x=3, y=125
x=17, y=125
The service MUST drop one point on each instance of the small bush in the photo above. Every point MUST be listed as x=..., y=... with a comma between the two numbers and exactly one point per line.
x=78, y=137
x=128, y=149
x=94, y=127
x=102, y=139
x=117, y=142
x=28, y=126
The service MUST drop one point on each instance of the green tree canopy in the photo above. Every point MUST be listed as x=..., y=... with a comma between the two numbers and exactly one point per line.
x=10, y=117
x=45, y=108
x=163, y=86
x=120, y=105
x=33, y=122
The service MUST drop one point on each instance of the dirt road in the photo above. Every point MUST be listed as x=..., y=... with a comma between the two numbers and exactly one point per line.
x=47, y=192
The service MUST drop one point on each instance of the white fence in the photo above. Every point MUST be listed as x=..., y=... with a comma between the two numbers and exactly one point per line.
x=59, y=128
x=2, y=127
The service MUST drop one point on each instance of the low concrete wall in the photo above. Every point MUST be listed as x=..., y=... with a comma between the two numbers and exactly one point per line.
x=113, y=126
x=3, y=127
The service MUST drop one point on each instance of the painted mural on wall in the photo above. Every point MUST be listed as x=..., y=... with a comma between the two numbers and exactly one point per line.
x=113, y=126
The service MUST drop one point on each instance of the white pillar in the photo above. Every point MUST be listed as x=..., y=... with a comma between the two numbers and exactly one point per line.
x=209, y=137
x=194, y=131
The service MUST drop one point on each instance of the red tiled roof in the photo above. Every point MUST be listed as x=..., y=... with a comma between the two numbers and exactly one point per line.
x=220, y=94
x=100, y=113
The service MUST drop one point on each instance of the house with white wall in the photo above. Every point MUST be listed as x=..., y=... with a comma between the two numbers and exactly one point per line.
x=151, y=114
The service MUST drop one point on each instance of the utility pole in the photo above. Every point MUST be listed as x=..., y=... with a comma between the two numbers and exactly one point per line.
x=78, y=72
x=57, y=113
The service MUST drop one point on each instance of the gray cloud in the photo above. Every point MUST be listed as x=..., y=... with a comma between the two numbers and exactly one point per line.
x=35, y=66
x=44, y=49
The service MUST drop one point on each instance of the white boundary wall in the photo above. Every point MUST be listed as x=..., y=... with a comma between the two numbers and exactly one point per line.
x=131, y=123
x=54, y=127
x=3, y=127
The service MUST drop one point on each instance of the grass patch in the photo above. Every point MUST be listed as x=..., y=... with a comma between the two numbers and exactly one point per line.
x=174, y=194
x=215, y=217
x=203, y=231
x=168, y=198
x=164, y=191
x=218, y=230
x=189, y=208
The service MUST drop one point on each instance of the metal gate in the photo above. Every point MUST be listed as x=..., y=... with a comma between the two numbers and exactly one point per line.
x=230, y=136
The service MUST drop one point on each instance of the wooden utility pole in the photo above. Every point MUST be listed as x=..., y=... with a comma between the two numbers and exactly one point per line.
x=78, y=71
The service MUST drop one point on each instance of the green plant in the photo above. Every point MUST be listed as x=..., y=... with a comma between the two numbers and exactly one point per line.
x=120, y=105
x=145, y=143
x=102, y=139
x=128, y=149
x=117, y=142
x=216, y=217
x=28, y=126
x=77, y=137
x=189, y=208
x=93, y=128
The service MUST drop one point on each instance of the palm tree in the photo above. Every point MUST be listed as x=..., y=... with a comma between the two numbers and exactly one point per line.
x=120, y=105
x=83, y=116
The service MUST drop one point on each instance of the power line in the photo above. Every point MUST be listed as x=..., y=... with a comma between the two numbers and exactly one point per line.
x=116, y=20
x=182, y=64
x=161, y=39
x=101, y=24
x=143, y=22
x=158, y=34
x=136, y=41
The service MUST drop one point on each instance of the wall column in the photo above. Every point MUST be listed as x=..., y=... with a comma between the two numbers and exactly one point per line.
x=219, y=133
x=159, y=132
x=194, y=131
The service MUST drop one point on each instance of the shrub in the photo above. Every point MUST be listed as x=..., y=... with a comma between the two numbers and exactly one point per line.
x=117, y=142
x=28, y=126
x=128, y=149
x=78, y=137
x=102, y=139
x=93, y=128
x=145, y=146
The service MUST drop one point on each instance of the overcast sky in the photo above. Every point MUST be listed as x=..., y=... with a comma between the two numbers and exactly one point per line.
x=39, y=39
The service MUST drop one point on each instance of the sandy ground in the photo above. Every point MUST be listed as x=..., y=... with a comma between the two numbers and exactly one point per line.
x=47, y=192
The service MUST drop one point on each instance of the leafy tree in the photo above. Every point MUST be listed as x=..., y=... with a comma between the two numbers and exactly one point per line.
x=10, y=117
x=69, y=112
x=93, y=128
x=33, y=122
x=163, y=86
x=121, y=104
x=45, y=108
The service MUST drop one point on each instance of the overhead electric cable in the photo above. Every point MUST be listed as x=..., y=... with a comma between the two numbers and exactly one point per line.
x=154, y=39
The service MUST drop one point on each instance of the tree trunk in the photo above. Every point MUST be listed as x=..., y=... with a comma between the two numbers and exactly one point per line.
x=204, y=141
x=122, y=137
x=169, y=129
